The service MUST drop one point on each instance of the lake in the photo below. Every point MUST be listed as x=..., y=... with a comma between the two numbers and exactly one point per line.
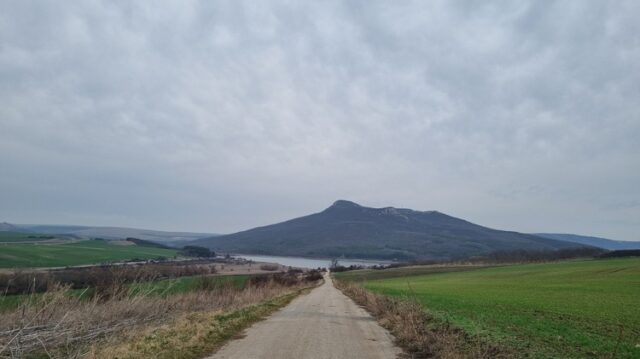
x=310, y=262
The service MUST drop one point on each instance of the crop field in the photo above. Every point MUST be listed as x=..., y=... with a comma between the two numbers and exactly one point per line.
x=13, y=237
x=77, y=253
x=577, y=309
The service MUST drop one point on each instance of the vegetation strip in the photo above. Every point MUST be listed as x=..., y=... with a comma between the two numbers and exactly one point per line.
x=568, y=309
x=64, y=326
x=194, y=335
x=417, y=332
x=399, y=272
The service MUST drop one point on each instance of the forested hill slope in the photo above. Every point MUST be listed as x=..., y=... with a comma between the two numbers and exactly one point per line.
x=354, y=231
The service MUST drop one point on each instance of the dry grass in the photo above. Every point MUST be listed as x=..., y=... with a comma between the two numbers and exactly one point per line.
x=60, y=326
x=416, y=331
x=191, y=335
x=26, y=282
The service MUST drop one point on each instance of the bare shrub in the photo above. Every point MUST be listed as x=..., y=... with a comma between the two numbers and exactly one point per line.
x=313, y=275
x=269, y=267
x=24, y=282
x=281, y=279
x=64, y=326
x=416, y=331
x=208, y=283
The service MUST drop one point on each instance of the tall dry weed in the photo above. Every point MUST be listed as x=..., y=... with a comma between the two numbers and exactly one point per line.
x=59, y=325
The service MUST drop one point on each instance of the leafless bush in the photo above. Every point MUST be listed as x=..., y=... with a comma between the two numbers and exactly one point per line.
x=101, y=277
x=280, y=279
x=313, y=275
x=269, y=267
x=416, y=331
x=64, y=326
x=209, y=283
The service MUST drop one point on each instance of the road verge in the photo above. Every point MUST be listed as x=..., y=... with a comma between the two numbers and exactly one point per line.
x=416, y=331
x=195, y=335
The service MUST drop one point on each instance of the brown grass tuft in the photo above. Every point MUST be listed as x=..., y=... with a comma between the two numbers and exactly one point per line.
x=416, y=331
x=191, y=336
x=58, y=325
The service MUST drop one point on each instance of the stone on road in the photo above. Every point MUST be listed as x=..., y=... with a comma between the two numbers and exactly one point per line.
x=322, y=324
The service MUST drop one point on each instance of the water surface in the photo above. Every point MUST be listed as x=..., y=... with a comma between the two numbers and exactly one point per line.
x=310, y=262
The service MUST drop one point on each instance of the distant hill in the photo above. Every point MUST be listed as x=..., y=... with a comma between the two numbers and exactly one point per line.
x=169, y=238
x=8, y=227
x=592, y=241
x=145, y=243
x=353, y=231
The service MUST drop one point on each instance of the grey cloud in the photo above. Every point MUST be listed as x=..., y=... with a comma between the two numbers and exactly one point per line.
x=220, y=116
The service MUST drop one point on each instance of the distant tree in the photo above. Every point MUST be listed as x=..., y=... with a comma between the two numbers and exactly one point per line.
x=344, y=269
x=524, y=256
x=334, y=263
x=621, y=253
x=196, y=251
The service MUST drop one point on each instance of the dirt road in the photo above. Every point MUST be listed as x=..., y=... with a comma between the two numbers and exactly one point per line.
x=322, y=324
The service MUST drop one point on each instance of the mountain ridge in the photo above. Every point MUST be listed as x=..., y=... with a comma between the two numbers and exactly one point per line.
x=348, y=229
x=605, y=243
x=7, y=227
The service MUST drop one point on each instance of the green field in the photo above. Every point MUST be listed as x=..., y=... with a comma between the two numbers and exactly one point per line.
x=577, y=309
x=77, y=253
x=8, y=236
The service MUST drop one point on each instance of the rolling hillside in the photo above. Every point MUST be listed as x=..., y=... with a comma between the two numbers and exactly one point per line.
x=75, y=253
x=88, y=232
x=592, y=241
x=4, y=226
x=350, y=230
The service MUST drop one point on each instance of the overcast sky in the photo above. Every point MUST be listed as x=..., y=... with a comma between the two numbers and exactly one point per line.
x=223, y=115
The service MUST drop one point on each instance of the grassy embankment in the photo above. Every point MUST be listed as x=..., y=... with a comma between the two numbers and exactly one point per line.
x=17, y=237
x=566, y=309
x=76, y=253
x=136, y=322
x=195, y=335
x=159, y=288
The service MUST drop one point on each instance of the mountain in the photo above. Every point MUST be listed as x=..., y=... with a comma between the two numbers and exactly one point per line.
x=591, y=241
x=347, y=229
x=7, y=227
x=172, y=238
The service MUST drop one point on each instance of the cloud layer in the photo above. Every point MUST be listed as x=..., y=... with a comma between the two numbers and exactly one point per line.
x=219, y=116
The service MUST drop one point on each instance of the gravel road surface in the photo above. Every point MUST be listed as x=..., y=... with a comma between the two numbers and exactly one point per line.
x=322, y=324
